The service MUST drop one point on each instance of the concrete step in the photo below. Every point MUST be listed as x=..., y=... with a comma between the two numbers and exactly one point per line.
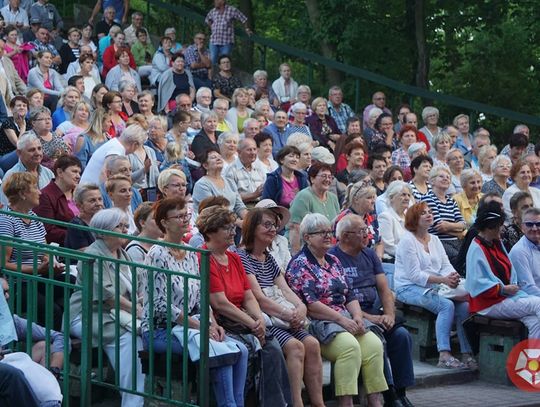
x=427, y=374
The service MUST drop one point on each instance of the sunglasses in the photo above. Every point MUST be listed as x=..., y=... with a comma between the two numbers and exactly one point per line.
x=532, y=224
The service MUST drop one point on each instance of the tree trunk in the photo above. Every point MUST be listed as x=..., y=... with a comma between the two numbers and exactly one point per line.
x=328, y=50
x=246, y=7
x=422, y=65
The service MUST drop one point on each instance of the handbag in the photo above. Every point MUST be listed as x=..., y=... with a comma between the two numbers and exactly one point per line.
x=457, y=294
x=233, y=327
x=275, y=294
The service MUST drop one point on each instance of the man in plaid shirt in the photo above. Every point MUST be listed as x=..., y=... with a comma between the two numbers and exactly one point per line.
x=339, y=111
x=221, y=21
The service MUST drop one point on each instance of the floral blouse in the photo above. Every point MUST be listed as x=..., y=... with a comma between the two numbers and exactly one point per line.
x=312, y=282
x=53, y=149
x=161, y=257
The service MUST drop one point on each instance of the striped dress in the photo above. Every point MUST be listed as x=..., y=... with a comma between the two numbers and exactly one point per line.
x=266, y=272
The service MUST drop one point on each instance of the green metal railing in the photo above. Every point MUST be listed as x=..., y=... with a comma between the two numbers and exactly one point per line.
x=26, y=286
x=161, y=14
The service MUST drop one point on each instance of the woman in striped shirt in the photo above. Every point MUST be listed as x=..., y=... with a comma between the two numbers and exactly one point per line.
x=301, y=350
x=448, y=223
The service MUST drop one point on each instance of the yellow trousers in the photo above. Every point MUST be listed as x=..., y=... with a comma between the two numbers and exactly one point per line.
x=352, y=354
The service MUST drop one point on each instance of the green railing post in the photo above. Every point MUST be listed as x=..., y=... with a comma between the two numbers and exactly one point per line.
x=87, y=270
x=205, y=319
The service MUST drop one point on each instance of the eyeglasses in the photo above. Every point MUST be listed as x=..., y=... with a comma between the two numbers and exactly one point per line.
x=359, y=232
x=504, y=166
x=185, y=216
x=532, y=224
x=323, y=233
x=122, y=226
x=269, y=225
x=229, y=229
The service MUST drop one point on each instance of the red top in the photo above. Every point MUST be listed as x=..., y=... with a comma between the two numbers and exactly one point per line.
x=231, y=279
x=500, y=266
x=109, y=61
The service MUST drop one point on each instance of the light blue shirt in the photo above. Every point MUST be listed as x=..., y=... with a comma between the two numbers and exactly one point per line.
x=45, y=176
x=525, y=257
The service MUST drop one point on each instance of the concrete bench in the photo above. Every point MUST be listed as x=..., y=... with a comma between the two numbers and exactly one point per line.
x=492, y=340
x=421, y=325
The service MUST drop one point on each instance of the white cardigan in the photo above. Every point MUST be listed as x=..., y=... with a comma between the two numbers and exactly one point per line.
x=414, y=265
x=391, y=228
x=509, y=193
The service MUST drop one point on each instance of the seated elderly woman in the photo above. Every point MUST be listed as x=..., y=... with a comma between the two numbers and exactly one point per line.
x=391, y=221
x=22, y=192
x=448, y=224
x=237, y=310
x=303, y=94
x=88, y=199
x=265, y=159
x=172, y=183
x=228, y=147
x=107, y=303
x=442, y=143
x=318, y=278
x=56, y=199
x=392, y=173
x=314, y=199
x=147, y=228
x=122, y=71
x=170, y=215
x=420, y=169
x=260, y=85
x=53, y=146
x=322, y=126
x=302, y=351
x=240, y=111
x=213, y=184
x=304, y=144
x=492, y=280
x=207, y=137
x=421, y=267
x=430, y=117
x=407, y=136
x=522, y=176
x=360, y=200
x=456, y=163
x=500, y=170
x=298, y=125
x=467, y=200
x=486, y=155
x=286, y=181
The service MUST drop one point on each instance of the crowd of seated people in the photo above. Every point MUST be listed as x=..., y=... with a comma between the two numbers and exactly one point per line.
x=316, y=217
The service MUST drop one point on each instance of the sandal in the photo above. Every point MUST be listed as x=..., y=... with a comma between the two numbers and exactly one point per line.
x=470, y=363
x=450, y=363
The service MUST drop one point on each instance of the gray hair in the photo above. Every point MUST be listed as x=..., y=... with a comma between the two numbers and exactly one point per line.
x=396, y=187
x=346, y=223
x=247, y=122
x=259, y=73
x=81, y=190
x=162, y=121
x=313, y=222
x=226, y=135
x=452, y=151
x=498, y=160
x=27, y=138
x=303, y=88
x=374, y=113
x=519, y=128
x=531, y=211
x=201, y=90
x=134, y=133
x=298, y=106
x=123, y=85
x=299, y=140
x=358, y=175
x=428, y=111
x=209, y=115
x=358, y=189
x=467, y=174
x=222, y=101
x=442, y=136
x=107, y=219
x=34, y=113
x=244, y=143
x=261, y=102
x=485, y=150
x=112, y=161
x=435, y=171
x=334, y=89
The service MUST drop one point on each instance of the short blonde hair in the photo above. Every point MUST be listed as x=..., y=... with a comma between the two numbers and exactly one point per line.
x=467, y=174
x=17, y=183
x=435, y=171
x=165, y=176
x=113, y=181
x=317, y=101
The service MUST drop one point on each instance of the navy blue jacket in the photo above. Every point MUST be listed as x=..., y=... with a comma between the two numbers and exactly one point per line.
x=273, y=187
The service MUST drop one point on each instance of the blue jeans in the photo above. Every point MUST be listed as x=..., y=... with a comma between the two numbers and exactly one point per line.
x=228, y=381
x=399, y=351
x=446, y=310
x=217, y=50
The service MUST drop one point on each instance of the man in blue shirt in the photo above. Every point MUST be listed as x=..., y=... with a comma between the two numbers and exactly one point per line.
x=367, y=281
x=278, y=130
